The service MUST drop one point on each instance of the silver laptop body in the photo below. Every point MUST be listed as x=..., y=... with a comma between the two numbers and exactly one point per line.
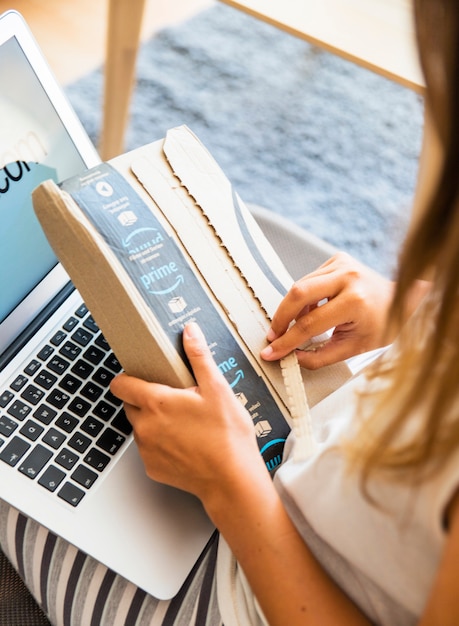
x=67, y=456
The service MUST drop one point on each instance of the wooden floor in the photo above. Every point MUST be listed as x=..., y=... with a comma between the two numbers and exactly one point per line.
x=71, y=33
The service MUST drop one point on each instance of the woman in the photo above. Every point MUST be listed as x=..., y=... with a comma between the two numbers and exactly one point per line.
x=367, y=531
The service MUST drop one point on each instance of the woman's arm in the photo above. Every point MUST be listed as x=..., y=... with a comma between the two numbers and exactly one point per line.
x=290, y=585
x=202, y=440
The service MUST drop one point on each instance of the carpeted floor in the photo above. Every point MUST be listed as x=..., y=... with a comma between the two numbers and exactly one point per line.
x=331, y=146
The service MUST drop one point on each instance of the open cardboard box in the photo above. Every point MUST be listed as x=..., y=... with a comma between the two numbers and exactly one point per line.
x=158, y=237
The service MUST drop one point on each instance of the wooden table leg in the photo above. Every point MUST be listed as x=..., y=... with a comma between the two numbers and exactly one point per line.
x=123, y=36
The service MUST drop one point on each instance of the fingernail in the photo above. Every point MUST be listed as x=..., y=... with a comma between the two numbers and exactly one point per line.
x=267, y=352
x=193, y=330
x=271, y=335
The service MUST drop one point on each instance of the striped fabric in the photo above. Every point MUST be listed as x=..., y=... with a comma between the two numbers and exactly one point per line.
x=75, y=590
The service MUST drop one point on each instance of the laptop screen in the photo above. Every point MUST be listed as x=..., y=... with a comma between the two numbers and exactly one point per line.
x=35, y=145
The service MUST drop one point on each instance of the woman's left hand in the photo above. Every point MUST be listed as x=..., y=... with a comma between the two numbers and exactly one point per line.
x=357, y=301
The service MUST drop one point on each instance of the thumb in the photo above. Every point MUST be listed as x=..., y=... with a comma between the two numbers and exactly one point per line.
x=201, y=360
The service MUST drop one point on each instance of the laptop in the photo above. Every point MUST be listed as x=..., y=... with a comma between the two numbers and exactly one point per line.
x=67, y=455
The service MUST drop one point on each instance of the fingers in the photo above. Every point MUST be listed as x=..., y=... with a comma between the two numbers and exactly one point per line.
x=339, y=347
x=323, y=284
x=137, y=392
x=308, y=324
x=204, y=368
x=342, y=296
x=131, y=390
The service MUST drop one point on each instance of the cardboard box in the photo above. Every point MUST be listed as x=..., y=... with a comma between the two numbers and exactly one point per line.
x=158, y=237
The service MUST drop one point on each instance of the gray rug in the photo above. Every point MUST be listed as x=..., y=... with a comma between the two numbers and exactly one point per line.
x=331, y=146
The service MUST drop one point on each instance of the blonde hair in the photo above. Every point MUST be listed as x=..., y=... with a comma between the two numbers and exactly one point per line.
x=413, y=423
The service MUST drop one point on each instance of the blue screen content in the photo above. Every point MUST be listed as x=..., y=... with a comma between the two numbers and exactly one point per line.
x=34, y=146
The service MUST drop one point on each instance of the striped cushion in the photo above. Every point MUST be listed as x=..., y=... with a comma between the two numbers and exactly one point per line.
x=75, y=590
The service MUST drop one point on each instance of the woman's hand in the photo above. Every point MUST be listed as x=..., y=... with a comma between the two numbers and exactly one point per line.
x=195, y=439
x=357, y=301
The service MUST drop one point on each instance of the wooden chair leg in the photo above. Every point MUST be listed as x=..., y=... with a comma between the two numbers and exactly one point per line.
x=123, y=36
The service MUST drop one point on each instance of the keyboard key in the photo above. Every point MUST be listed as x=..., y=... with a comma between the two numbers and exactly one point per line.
x=31, y=430
x=91, y=324
x=122, y=423
x=79, y=406
x=92, y=391
x=45, y=379
x=84, y=476
x=71, y=494
x=70, y=350
x=70, y=324
x=19, y=382
x=13, y=452
x=19, y=410
x=113, y=399
x=35, y=461
x=103, y=377
x=104, y=410
x=67, y=422
x=82, y=369
x=33, y=367
x=57, y=364
x=82, y=336
x=45, y=352
x=66, y=458
x=113, y=364
x=102, y=342
x=58, y=398
x=79, y=442
x=58, y=337
x=6, y=398
x=92, y=426
x=81, y=311
x=51, y=478
x=45, y=414
x=32, y=394
x=54, y=438
x=94, y=355
x=7, y=426
x=70, y=383
x=110, y=441
x=97, y=459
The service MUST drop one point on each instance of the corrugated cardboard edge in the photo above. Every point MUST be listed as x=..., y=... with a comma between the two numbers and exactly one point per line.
x=319, y=383
x=181, y=147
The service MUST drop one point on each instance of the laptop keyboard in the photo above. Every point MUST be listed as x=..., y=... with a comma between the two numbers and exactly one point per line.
x=59, y=423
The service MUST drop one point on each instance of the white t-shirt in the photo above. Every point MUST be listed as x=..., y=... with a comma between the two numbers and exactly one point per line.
x=385, y=558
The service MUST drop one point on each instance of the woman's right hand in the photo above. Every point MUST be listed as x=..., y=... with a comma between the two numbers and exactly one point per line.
x=355, y=301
